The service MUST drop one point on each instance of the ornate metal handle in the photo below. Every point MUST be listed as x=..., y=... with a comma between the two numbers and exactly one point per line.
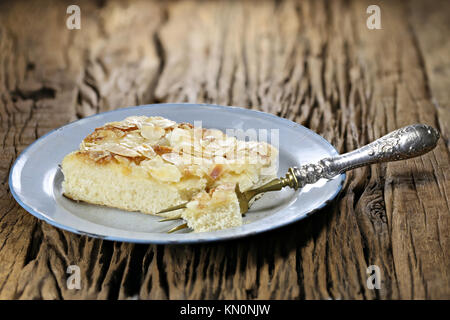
x=408, y=142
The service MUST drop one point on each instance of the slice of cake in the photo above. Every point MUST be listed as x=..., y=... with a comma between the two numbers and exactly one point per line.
x=148, y=164
x=214, y=210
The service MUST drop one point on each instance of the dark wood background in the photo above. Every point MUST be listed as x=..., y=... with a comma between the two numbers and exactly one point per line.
x=314, y=62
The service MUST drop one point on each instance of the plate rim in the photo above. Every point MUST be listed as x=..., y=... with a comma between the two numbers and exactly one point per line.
x=38, y=215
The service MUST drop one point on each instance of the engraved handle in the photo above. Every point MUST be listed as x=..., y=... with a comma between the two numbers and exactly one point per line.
x=408, y=142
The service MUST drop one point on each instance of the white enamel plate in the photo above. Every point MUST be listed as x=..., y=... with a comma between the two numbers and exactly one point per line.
x=35, y=178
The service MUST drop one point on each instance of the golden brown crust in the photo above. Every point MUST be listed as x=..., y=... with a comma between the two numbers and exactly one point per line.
x=160, y=150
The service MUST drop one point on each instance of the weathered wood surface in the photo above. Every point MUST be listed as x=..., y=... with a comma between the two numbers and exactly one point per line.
x=313, y=62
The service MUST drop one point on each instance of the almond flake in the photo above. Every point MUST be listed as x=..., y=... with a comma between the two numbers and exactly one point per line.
x=97, y=155
x=173, y=158
x=145, y=150
x=162, y=122
x=121, y=150
x=121, y=159
x=152, y=133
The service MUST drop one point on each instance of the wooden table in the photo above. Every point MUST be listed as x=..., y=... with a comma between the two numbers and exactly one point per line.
x=313, y=62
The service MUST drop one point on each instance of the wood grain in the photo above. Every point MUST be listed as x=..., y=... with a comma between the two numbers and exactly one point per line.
x=314, y=62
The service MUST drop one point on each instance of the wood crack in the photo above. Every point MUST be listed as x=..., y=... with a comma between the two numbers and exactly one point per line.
x=313, y=62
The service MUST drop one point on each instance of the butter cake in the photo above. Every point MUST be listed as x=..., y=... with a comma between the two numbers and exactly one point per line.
x=148, y=164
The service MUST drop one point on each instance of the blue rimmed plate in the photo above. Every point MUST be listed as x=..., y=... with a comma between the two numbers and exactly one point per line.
x=35, y=178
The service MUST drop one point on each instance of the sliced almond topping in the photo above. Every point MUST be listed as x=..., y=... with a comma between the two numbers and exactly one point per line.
x=104, y=134
x=162, y=122
x=121, y=159
x=152, y=133
x=97, y=155
x=167, y=151
x=200, y=153
x=145, y=150
x=122, y=125
x=180, y=137
x=216, y=171
x=121, y=150
x=160, y=150
x=185, y=125
x=213, y=145
x=173, y=158
x=227, y=142
x=212, y=134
